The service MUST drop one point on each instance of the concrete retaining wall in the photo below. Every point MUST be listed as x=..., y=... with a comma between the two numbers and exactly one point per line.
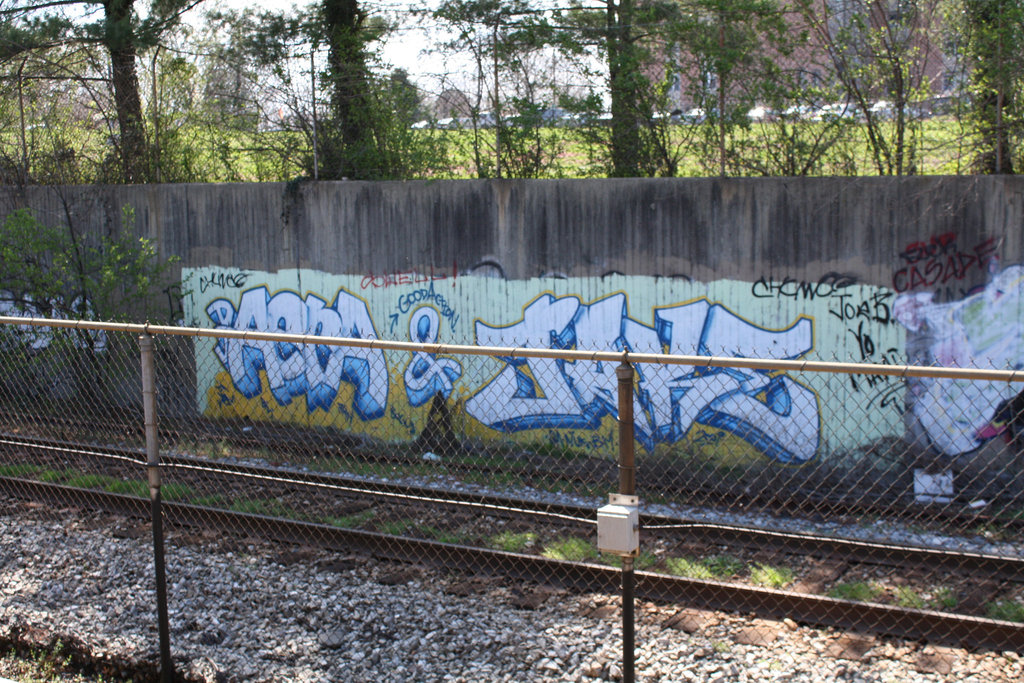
x=885, y=270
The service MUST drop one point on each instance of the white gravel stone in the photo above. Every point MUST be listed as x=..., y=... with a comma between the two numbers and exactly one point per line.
x=240, y=616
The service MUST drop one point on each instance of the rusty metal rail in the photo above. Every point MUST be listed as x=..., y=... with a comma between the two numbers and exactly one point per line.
x=866, y=552
x=889, y=620
x=807, y=544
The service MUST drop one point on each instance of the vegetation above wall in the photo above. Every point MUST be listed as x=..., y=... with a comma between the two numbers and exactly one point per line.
x=130, y=91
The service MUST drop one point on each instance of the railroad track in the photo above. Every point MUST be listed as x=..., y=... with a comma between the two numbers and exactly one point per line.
x=801, y=607
x=825, y=547
x=823, y=611
x=313, y=444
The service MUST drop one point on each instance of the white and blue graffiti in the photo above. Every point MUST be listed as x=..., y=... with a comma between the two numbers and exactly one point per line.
x=427, y=375
x=775, y=414
x=982, y=330
x=316, y=371
x=39, y=338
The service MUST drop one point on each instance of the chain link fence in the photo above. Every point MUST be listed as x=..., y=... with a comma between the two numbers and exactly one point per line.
x=765, y=485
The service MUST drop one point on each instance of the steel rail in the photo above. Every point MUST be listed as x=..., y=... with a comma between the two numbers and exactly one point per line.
x=808, y=544
x=523, y=352
x=809, y=502
x=939, y=627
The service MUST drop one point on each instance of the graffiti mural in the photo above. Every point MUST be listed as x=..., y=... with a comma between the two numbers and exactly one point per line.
x=775, y=414
x=426, y=375
x=39, y=338
x=984, y=330
x=315, y=372
x=754, y=414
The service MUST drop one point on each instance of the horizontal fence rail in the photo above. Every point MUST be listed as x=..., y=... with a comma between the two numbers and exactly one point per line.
x=525, y=352
x=765, y=485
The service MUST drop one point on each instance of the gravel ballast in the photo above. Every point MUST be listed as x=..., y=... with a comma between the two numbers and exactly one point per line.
x=243, y=610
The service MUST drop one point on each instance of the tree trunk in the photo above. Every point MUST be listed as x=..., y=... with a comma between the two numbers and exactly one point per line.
x=990, y=78
x=350, y=146
x=623, y=71
x=119, y=40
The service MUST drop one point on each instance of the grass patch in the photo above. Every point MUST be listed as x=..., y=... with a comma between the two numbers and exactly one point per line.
x=137, y=488
x=268, y=508
x=175, y=492
x=43, y=666
x=398, y=527
x=351, y=521
x=51, y=476
x=214, y=501
x=908, y=597
x=23, y=470
x=549, y=450
x=858, y=591
x=444, y=536
x=644, y=560
x=1005, y=610
x=571, y=550
x=512, y=542
x=90, y=481
x=771, y=577
x=705, y=568
x=944, y=598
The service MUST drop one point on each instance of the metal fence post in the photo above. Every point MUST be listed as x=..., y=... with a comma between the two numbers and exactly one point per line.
x=627, y=486
x=153, y=474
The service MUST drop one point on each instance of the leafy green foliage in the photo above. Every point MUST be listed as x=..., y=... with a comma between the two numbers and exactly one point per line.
x=53, y=272
x=991, y=35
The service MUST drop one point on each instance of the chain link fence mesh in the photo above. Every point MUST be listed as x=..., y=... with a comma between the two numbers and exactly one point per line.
x=754, y=482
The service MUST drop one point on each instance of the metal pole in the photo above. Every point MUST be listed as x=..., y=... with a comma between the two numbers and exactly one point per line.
x=153, y=474
x=627, y=486
x=627, y=465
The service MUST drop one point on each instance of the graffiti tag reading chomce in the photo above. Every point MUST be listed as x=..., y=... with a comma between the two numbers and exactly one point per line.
x=832, y=284
x=774, y=413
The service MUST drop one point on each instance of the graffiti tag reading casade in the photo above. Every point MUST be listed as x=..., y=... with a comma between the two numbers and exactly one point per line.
x=940, y=260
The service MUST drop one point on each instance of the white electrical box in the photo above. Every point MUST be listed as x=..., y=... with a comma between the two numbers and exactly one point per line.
x=618, y=525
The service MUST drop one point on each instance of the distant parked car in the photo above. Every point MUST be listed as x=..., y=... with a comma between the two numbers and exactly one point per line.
x=882, y=109
x=486, y=119
x=836, y=111
x=798, y=112
x=694, y=115
x=760, y=113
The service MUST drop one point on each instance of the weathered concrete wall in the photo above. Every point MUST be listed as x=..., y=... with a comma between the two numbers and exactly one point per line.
x=704, y=229
x=880, y=270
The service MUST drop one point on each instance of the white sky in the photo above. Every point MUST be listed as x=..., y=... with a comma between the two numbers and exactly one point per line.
x=408, y=48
